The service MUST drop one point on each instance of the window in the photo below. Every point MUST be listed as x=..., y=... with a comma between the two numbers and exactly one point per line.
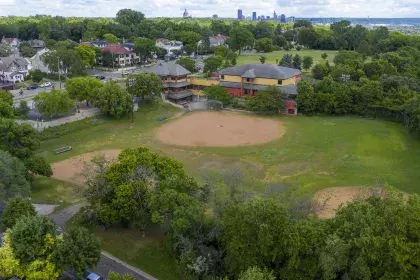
x=173, y=78
x=248, y=79
x=280, y=82
x=222, y=77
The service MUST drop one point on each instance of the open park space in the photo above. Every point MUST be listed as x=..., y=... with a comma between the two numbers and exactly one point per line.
x=313, y=154
x=271, y=57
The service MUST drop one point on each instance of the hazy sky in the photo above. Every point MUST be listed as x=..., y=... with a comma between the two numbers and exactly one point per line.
x=206, y=8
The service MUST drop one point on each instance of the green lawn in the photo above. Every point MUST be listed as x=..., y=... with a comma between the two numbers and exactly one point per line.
x=315, y=153
x=53, y=191
x=246, y=58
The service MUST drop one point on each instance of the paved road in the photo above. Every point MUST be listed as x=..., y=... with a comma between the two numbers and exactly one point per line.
x=29, y=93
x=107, y=263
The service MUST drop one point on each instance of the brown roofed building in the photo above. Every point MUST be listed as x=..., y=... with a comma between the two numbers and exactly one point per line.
x=122, y=56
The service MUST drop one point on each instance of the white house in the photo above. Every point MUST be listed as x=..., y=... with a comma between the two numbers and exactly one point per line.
x=215, y=41
x=168, y=45
x=12, y=42
x=13, y=69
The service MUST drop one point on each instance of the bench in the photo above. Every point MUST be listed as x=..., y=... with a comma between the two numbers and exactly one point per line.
x=62, y=150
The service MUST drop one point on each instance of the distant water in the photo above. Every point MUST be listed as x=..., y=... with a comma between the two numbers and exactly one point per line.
x=401, y=22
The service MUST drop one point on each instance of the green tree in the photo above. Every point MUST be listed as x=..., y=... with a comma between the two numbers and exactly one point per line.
x=13, y=177
x=324, y=56
x=255, y=273
x=262, y=59
x=280, y=41
x=113, y=101
x=307, y=37
x=187, y=63
x=306, y=99
x=307, y=62
x=190, y=40
x=53, y=103
x=27, y=51
x=15, y=209
x=23, y=108
x=31, y=237
x=79, y=250
x=240, y=38
x=221, y=51
x=267, y=100
x=264, y=45
x=219, y=93
x=145, y=48
x=38, y=165
x=263, y=29
x=320, y=70
x=297, y=62
x=364, y=48
x=83, y=88
x=129, y=17
x=6, y=105
x=87, y=55
x=257, y=233
x=110, y=38
x=287, y=61
x=212, y=64
x=18, y=139
x=5, y=50
x=36, y=75
x=145, y=86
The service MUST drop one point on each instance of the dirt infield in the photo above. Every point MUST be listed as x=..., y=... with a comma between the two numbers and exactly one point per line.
x=70, y=169
x=220, y=129
x=331, y=198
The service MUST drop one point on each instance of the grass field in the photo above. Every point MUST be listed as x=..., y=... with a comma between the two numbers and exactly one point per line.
x=246, y=58
x=315, y=153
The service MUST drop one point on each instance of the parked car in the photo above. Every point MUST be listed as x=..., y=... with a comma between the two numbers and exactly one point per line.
x=33, y=86
x=100, y=77
x=46, y=84
x=92, y=276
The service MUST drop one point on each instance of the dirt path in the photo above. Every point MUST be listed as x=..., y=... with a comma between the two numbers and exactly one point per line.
x=220, y=129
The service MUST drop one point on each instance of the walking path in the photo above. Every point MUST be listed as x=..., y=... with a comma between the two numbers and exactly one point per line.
x=84, y=113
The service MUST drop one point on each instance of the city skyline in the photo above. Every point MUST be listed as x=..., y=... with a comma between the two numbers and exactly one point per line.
x=206, y=8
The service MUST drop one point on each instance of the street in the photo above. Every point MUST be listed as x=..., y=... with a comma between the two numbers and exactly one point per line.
x=29, y=94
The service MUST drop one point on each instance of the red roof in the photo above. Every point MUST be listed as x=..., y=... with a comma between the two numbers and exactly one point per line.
x=9, y=40
x=117, y=49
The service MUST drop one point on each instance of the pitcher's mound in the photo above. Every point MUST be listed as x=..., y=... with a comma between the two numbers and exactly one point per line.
x=70, y=169
x=220, y=129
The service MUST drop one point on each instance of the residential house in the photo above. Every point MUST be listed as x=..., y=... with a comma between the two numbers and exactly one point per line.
x=13, y=69
x=215, y=41
x=169, y=45
x=122, y=56
x=12, y=42
x=174, y=80
x=37, y=44
x=97, y=44
x=247, y=80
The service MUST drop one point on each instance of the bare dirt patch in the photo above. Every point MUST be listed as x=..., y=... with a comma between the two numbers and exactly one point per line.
x=220, y=129
x=70, y=169
x=330, y=199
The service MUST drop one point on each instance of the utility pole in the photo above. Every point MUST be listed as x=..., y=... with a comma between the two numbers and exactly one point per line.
x=58, y=69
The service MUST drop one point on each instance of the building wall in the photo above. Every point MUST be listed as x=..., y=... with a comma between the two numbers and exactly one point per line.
x=203, y=82
x=235, y=79
x=273, y=82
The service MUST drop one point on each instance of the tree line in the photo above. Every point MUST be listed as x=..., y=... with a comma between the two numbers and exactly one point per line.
x=371, y=238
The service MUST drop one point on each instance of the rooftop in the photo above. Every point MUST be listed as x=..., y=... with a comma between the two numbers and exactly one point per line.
x=167, y=69
x=269, y=71
x=117, y=49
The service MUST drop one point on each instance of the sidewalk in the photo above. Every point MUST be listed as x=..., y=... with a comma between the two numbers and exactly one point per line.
x=84, y=113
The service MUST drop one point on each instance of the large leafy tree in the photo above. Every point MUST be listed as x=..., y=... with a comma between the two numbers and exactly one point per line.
x=6, y=105
x=5, y=50
x=306, y=99
x=64, y=60
x=83, y=88
x=145, y=86
x=264, y=45
x=53, y=103
x=263, y=29
x=129, y=17
x=79, y=250
x=26, y=51
x=87, y=55
x=212, y=64
x=255, y=273
x=187, y=63
x=145, y=48
x=16, y=209
x=240, y=38
x=190, y=40
x=267, y=100
x=113, y=101
x=287, y=61
x=307, y=62
x=219, y=93
x=110, y=38
x=257, y=233
x=13, y=177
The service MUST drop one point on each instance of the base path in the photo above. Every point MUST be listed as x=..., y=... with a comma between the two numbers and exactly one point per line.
x=220, y=129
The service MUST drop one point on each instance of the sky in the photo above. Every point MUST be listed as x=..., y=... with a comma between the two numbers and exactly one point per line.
x=206, y=8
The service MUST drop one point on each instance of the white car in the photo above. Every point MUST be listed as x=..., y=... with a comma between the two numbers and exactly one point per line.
x=46, y=84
